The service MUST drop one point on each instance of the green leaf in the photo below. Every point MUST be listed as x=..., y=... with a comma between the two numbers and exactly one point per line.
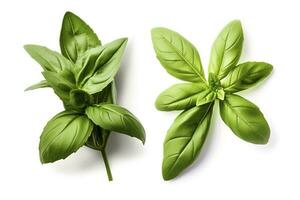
x=98, y=66
x=99, y=136
x=63, y=135
x=108, y=94
x=246, y=75
x=185, y=139
x=41, y=84
x=177, y=55
x=48, y=59
x=244, y=119
x=226, y=49
x=76, y=37
x=220, y=94
x=179, y=97
x=61, y=83
x=115, y=118
x=205, y=97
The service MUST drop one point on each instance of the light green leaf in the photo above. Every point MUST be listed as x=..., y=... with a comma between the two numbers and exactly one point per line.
x=41, y=84
x=220, y=94
x=246, y=75
x=180, y=96
x=63, y=135
x=98, y=66
x=48, y=59
x=226, y=49
x=115, y=118
x=205, y=97
x=185, y=139
x=76, y=37
x=177, y=55
x=244, y=119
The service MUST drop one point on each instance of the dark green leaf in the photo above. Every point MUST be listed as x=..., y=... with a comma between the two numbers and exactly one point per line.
x=185, y=139
x=79, y=98
x=115, y=118
x=226, y=50
x=246, y=75
x=63, y=135
x=244, y=119
x=76, y=37
x=99, y=65
x=177, y=55
x=99, y=136
x=60, y=83
x=179, y=97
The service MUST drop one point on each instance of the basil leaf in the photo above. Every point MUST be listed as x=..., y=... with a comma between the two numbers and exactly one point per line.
x=205, y=97
x=76, y=37
x=64, y=134
x=226, y=49
x=99, y=136
x=61, y=83
x=41, y=84
x=48, y=59
x=180, y=96
x=185, y=139
x=244, y=119
x=115, y=118
x=246, y=75
x=177, y=55
x=108, y=94
x=99, y=65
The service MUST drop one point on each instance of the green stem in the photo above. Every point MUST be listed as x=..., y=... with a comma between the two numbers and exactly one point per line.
x=109, y=175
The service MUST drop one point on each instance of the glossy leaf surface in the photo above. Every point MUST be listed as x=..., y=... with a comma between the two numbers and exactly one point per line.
x=185, y=139
x=244, y=119
x=226, y=50
x=63, y=135
x=177, y=55
x=246, y=75
x=116, y=118
x=98, y=67
x=179, y=97
x=76, y=37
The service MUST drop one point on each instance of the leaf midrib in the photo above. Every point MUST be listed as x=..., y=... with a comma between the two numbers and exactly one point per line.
x=181, y=55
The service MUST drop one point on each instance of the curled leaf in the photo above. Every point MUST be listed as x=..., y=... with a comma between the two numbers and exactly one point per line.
x=116, y=118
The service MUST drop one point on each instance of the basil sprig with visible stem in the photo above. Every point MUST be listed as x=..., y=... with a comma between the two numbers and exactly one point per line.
x=83, y=78
x=189, y=130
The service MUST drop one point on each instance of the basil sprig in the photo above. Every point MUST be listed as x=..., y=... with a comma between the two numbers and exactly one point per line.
x=83, y=78
x=189, y=130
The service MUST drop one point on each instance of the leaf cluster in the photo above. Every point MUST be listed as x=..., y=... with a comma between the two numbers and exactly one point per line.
x=197, y=96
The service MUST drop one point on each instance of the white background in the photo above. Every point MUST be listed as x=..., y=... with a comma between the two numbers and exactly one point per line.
x=227, y=168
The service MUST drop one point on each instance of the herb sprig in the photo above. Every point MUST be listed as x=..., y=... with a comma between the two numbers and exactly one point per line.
x=82, y=76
